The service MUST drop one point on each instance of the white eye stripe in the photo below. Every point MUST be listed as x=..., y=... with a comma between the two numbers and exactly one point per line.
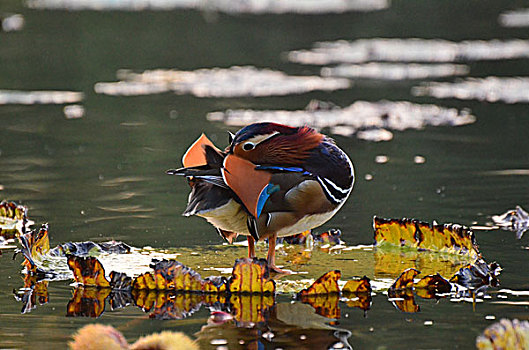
x=261, y=138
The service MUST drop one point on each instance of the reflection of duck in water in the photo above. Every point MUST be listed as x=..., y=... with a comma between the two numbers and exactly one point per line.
x=271, y=181
x=286, y=325
x=100, y=337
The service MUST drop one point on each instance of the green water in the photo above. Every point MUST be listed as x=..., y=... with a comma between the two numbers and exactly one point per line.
x=102, y=176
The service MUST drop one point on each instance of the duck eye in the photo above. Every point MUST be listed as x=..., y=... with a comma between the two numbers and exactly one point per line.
x=248, y=146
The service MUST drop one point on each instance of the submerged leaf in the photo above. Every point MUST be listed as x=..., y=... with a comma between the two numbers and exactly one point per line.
x=505, y=334
x=251, y=276
x=362, y=285
x=88, y=271
x=326, y=284
x=405, y=280
x=449, y=238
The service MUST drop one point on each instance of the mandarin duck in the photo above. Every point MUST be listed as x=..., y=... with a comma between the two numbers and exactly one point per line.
x=272, y=181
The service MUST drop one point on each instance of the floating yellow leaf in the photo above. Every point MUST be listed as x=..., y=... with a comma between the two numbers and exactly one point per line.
x=361, y=285
x=88, y=271
x=172, y=275
x=87, y=302
x=405, y=280
x=251, y=276
x=449, y=238
x=326, y=284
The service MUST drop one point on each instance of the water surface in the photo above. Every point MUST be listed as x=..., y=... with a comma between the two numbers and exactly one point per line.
x=101, y=176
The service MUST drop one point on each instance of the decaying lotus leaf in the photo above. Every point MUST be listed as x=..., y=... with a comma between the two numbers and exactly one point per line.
x=326, y=284
x=88, y=271
x=405, y=280
x=478, y=274
x=10, y=211
x=448, y=238
x=90, y=248
x=87, y=302
x=362, y=285
x=516, y=220
x=172, y=275
x=34, y=244
x=505, y=334
x=433, y=283
x=251, y=276
x=251, y=308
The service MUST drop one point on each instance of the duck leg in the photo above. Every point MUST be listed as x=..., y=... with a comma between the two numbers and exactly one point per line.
x=251, y=247
x=271, y=257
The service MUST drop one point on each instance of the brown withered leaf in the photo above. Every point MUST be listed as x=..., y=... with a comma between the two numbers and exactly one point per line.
x=405, y=280
x=447, y=238
x=88, y=271
x=87, y=302
x=172, y=275
x=326, y=284
x=429, y=286
x=34, y=244
x=10, y=211
x=251, y=276
x=250, y=309
x=360, y=285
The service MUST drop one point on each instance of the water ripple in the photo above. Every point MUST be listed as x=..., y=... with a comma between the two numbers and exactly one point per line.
x=228, y=6
x=390, y=71
x=410, y=50
x=217, y=82
x=359, y=116
x=39, y=97
x=490, y=89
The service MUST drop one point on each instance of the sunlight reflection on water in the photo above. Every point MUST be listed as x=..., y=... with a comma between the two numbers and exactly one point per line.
x=217, y=82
